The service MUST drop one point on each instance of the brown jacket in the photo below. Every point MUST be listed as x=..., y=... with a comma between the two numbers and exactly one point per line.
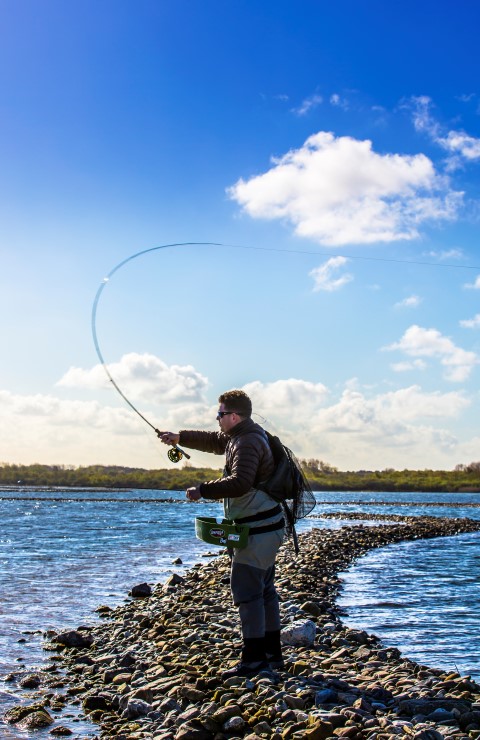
x=248, y=460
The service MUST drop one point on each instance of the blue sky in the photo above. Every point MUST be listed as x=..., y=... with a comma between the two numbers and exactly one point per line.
x=332, y=149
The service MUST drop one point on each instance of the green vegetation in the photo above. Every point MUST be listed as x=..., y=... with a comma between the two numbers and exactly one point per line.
x=322, y=477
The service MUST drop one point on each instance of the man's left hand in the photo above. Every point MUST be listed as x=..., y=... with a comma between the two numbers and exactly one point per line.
x=193, y=494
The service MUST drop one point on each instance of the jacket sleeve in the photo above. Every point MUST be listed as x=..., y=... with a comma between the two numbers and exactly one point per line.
x=246, y=459
x=214, y=442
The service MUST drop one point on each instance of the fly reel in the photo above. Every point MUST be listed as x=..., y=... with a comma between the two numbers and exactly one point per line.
x=175, y=454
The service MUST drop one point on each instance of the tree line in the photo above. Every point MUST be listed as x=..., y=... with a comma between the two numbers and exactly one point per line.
x=321, y=476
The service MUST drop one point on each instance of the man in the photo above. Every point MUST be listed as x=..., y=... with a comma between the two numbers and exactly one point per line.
x=249, y=461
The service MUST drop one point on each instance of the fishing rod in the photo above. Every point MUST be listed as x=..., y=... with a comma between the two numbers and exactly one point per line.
x=175, y=453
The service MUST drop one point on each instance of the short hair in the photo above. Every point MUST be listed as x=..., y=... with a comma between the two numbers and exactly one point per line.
x=237, y=401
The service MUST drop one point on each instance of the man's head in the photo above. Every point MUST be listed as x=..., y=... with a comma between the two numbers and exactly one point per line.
x=234, y=407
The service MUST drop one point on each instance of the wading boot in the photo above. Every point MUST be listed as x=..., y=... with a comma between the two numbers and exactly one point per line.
x=253, y=659
x=273, y=650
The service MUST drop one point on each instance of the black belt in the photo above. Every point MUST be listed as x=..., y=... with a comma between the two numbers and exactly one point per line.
x=258, y=517
x=268, y=527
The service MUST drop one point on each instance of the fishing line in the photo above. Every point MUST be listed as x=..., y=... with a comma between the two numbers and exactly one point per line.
x=175, y=454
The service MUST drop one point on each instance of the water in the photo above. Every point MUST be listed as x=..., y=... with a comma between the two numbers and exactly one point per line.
x=62, y=554
x=423, y=598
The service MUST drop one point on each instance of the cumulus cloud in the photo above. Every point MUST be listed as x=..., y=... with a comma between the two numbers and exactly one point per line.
x=420, y=342
x=337, y=190
x=312, y=101
x=411, y=301
x=354, y=429
x=145, y=376
x=388, y=428
x=52, y=430
x=323, y=275
x=475, y=285
x=471, y=323
x=286, y=401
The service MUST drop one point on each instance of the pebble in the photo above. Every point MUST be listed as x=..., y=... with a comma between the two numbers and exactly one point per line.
x=151, y=668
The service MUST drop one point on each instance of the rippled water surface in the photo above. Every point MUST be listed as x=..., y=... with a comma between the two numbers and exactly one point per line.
x=422, y=597
x=62, y=554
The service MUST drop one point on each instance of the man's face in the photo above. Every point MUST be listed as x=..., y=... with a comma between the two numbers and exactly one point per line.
x=228, y=420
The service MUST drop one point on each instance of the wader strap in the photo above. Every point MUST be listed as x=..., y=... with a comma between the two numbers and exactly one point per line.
x=259, y=517
x=268, y=527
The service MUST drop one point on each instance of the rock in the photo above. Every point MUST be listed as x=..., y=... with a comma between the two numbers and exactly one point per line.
x=32, y=681
x=225, y=713
x=74, y=639
x=313, y=608
x=19, y=712
x=36, y=720
x=325, y=696
x=319, y=731
x=299, y=633
x=427, y=706
x=96, y=701
x=136, y=708
x=192, y=694
x=192, y=732
x=103, y=610
x=428, y=734
x=177, y=561
x=234, y=724
x=262, y=728
x=141, y=591
x=61, y=731
x=470, y=718
x=172, y=581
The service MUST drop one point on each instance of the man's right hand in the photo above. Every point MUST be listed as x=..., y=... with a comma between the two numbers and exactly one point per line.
x=169, y=438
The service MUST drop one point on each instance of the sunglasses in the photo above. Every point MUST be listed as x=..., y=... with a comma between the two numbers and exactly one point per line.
x=221, y=414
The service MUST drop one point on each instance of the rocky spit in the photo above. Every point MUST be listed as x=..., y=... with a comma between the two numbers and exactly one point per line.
x=151, y=668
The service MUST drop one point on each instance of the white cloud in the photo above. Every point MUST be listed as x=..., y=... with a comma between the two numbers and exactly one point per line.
x=460, y=145
x=287, y=401
x=337, y=101
x=411, y=301
x=471, y=323
x=458, y=142
x=142, y=376
x=446, y=254
x=403, y=428
x=308, y=104
x=337, y=190
x=323, y=275
x=420, y=342
x=475, y=285
x=403, y=367
x=422, y=118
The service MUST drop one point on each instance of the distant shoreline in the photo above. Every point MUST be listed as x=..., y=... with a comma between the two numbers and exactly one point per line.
x=10, y=488
x=321, y=477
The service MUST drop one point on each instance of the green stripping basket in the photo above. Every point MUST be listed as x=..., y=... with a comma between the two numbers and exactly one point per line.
x=224, y=533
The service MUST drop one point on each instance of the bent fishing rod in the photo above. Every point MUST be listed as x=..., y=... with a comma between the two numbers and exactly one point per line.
x=175, y=453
